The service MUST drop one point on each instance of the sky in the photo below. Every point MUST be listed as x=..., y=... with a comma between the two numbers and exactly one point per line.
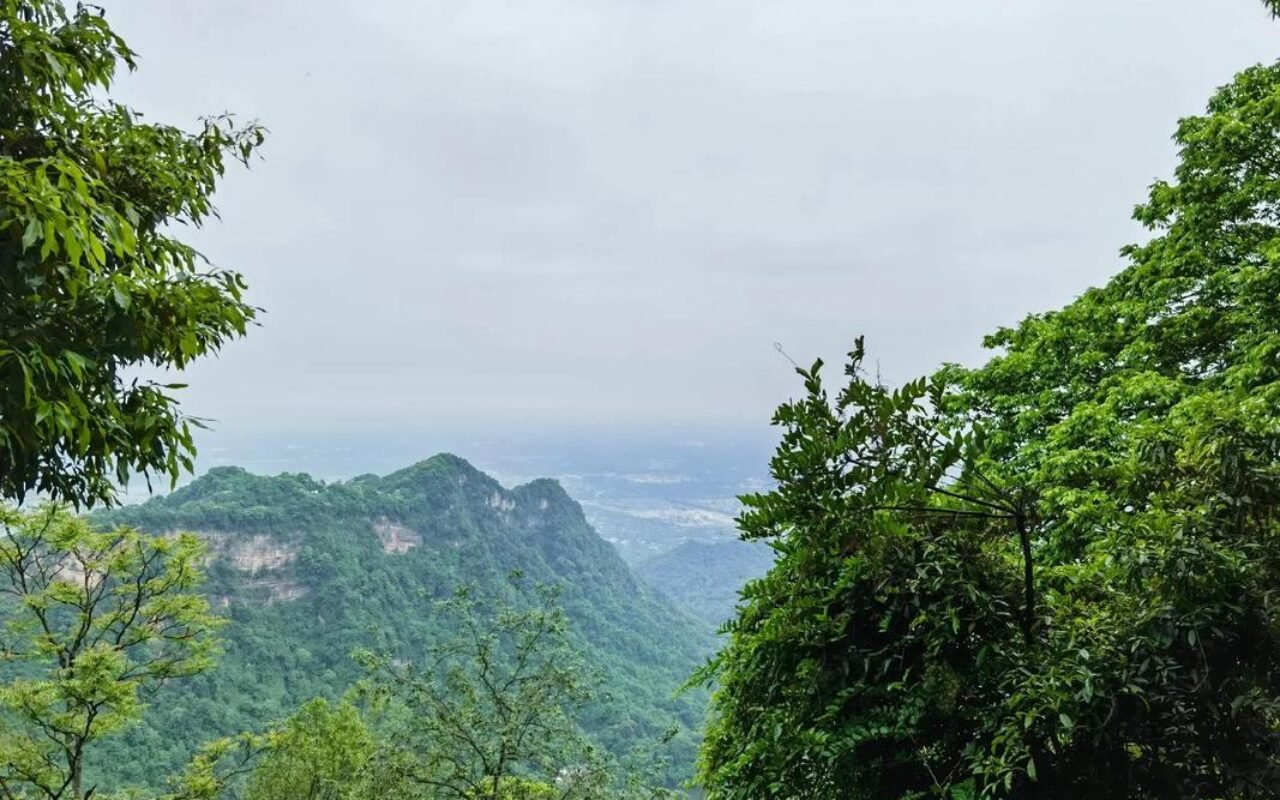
x=542, y=214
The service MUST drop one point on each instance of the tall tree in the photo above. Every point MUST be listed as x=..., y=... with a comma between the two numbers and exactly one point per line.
x=94, y=283
x=320, y=753
x=89, y=621
x=492, y=713
x=1055, y=575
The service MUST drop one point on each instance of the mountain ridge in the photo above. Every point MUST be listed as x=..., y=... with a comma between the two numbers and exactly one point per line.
x=308, y=571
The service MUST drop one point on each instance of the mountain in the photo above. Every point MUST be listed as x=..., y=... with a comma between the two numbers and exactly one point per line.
x=643, y=490
x=307, y=571
x=704, y=577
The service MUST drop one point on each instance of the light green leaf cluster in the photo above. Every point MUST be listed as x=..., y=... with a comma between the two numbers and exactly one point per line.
x=89, y=621
x=489, y=714
x=320, y=753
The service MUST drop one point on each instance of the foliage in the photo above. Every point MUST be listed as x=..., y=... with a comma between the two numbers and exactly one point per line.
x=295, y=624
x=320, y=753
x=80, y=578
x=1055, y=575
x=704, y=577
x=91, y=620
x=215, y=771
x=849, y=660
x=93, y=283
x=491, y=713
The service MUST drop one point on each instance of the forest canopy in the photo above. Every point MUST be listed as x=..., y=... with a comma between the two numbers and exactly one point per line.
x=1054, y=575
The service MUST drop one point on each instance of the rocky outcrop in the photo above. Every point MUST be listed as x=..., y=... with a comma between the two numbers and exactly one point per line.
x=263, y=559
x=501, y=503
x=395, y=538
x=274, y=590
x=258, y=553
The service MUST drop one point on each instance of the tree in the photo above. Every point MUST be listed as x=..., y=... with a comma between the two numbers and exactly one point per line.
x=93, y=281
x=1054, y=575
x=90, y=621
x=491, y=714
x=854, y=665
x=320, y=753
x=1145, y=413
x=217, y=770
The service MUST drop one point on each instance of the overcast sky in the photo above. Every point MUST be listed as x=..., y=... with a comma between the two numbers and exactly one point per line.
x=539, y=213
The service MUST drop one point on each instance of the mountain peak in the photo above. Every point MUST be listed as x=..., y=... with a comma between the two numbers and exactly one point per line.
x=548, y=488
x=439, y=470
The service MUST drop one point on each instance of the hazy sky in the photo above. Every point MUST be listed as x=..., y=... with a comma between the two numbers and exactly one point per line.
x=537, y=213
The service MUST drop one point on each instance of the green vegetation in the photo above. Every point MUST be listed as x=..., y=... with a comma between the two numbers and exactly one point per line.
x=705, y=578
x=91, y=620
x=489, y=714
x=1055, y=575
x=501, y=694
x=92, y=281
x=307, y=573
x=319, y=753
x=94, y=621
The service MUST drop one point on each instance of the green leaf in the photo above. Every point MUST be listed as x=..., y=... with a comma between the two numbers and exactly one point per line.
x=31, y=234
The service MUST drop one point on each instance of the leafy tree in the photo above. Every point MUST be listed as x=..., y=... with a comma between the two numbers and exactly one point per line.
x=320, y=753
x=90, y=621
x=1055, y=575
x=853, y=662
x=216, y=771
x=93, y=281
x=491, y=714
x=1145, y=415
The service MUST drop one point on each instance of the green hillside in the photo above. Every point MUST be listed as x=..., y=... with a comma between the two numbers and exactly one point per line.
x=704, y=578
x=306, y=572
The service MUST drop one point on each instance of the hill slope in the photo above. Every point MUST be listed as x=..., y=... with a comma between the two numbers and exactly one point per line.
x=306, y=572
x=704, y=577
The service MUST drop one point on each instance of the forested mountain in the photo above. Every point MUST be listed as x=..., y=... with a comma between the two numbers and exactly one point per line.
x=705, y=577
x=307, y=572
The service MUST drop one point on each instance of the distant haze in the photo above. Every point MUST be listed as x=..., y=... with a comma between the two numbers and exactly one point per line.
x=604, y=212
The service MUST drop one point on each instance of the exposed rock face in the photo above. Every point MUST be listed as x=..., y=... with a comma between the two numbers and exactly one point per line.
x=256, y=554
x=263, y=558
x=395, y=538
x=503, y=504
x=275, y=590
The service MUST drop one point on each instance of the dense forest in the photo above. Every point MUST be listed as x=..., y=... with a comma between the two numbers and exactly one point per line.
x=704, y=577
x=1055, y=574
x=308, y=573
